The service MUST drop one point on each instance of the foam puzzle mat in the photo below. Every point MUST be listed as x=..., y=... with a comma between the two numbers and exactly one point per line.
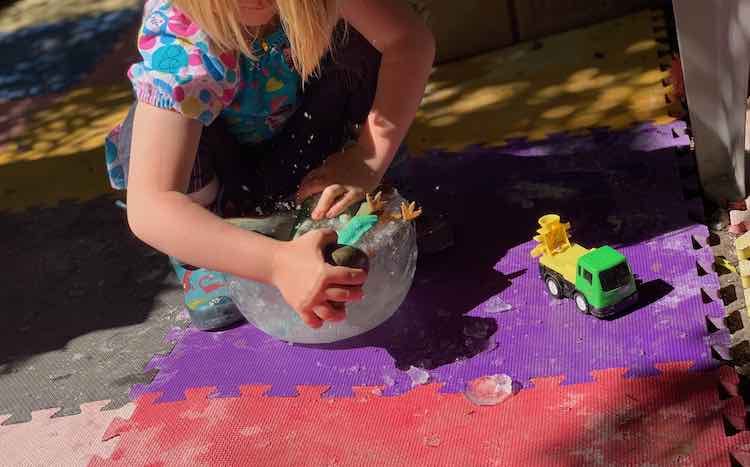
x=458, y=333
x=632, y=194
x=577, y=124
x=671, y=419
x=63, y=440
x=57, y=153
x=608, y=76
x=60, y=54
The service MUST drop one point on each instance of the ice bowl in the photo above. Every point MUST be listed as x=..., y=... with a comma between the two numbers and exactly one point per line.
x=392, y=250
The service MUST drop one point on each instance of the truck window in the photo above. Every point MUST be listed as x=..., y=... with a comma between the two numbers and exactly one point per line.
x=587, y=275
x=615, y=277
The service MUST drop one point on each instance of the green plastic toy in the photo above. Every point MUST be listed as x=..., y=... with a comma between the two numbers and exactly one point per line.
x=598, y=280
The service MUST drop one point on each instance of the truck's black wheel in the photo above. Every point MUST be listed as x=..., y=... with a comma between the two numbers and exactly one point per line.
x=581, y=303
x=553, y=287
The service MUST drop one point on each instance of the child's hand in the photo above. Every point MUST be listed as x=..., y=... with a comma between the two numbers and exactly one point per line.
x=309, y=284
x=344, y=179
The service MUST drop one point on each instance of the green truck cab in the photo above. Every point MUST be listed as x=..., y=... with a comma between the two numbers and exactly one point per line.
x=599, y=280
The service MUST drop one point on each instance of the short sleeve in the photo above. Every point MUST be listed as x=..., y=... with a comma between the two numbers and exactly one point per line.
x=180, y=69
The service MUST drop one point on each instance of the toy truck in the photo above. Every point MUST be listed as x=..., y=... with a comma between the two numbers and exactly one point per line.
x=599, y=280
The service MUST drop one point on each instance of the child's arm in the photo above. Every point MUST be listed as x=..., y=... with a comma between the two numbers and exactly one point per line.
x=408, y=51
x=162, y=156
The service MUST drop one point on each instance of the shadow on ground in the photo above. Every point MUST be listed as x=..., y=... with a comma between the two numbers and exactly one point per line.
x=493, y=201
x=87, y=305
x=50, y=57
x=683, y=405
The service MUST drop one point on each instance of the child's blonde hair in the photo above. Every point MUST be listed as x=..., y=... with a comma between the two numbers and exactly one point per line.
x=308, y=24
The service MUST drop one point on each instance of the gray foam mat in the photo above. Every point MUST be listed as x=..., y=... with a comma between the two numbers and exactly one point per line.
x=85, y=306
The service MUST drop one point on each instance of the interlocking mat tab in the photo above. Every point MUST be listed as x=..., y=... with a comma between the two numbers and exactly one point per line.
x=672, y=419
x=90, y=307
x=64, y=441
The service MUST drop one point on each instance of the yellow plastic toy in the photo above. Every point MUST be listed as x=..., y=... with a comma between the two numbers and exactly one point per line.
x=599, y=280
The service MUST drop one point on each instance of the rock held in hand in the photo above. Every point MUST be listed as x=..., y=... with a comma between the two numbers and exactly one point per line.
x=347, y=256
x=392, y=256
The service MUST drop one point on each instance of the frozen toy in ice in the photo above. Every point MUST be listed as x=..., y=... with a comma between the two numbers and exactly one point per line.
x=377, y=235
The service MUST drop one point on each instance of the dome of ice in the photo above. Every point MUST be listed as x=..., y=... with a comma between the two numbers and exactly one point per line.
x=392, y=249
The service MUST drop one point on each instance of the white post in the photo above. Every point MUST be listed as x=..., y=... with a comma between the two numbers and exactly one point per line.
x=715, y=52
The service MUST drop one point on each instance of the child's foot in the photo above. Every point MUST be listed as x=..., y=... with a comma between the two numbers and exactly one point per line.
x=206, y=298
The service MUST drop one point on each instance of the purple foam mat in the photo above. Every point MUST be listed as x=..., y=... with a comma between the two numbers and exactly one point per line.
x=617, y=188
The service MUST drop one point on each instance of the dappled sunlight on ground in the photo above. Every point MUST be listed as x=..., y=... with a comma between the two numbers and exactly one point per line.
x=607, y=75
x=77, y=121
x=24, y=13
x=58, y=152
x=52, y=144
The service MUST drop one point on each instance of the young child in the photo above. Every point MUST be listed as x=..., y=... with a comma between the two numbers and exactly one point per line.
x=241, y=103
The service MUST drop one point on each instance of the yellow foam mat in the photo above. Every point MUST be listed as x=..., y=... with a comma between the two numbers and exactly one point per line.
x=24, y=13
x=606, y=75
x=60, y=152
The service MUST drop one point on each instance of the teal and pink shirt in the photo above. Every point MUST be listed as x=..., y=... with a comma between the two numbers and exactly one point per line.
x=182, y=71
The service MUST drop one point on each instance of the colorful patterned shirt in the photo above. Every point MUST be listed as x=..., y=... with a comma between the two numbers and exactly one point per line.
x=181, y=70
